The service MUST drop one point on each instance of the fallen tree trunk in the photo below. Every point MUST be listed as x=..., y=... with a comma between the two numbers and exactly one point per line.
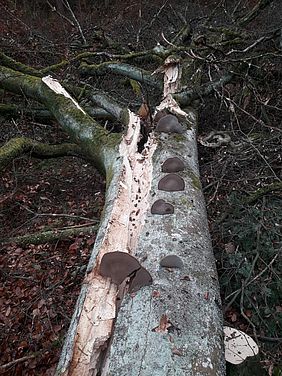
x=155, y=212
x=174, y=326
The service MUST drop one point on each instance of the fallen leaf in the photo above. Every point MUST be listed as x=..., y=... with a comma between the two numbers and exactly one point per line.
x=234, y=317
x=163, y=326
x=8, y=311
x=177, y=351
x=229, y=248
x=238, y=345
x=156, y=294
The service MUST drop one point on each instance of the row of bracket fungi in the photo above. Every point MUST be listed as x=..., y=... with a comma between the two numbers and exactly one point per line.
x=170, y=182
x=120, y=266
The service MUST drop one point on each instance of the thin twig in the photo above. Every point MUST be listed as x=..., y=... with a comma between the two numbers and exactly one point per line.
x=54, y=9
x=15, y=362
x=247, y=48
x=141, y=30
x=243, y=313
x=269, y=339
x=76, y=21
x=58, y=215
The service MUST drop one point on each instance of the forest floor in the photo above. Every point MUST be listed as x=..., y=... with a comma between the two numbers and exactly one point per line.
x=40, y=282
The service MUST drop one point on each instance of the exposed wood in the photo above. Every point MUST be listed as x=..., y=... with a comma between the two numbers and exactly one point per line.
x=173, y=327
x=126, y=206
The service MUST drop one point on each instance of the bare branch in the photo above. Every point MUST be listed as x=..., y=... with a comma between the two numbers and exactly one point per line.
x=186, y=97
x=254, y=12
x=54, y=9
x=13, y=363
x=75, y=20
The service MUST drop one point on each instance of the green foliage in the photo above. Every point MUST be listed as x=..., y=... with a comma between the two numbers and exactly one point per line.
x=254, y=265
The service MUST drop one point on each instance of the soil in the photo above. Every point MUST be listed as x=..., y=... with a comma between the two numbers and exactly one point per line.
x=40, y=282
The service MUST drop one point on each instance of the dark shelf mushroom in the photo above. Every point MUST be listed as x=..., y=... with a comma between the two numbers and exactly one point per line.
x=169, y=124
x=171, y=183
x=173, y=164
x=141, y=278
x=171, y=261
x=159, y=115
x=118, y=266
x=161, y=207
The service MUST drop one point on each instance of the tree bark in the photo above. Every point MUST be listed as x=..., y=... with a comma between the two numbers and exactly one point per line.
x=192, y=344
x=135, y=340
x=174, y=326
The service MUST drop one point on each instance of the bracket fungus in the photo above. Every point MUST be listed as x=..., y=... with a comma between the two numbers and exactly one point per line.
x=171, y=261
x=169, y=124
x=160, y=114
x=118, y=266
x=171, y=183
x=141, y=278
x=173, y=164
x=161, y=207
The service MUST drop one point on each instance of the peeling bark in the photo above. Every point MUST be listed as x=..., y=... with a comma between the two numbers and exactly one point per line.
x=191, y=341
x=126, y=207
x=192, y=344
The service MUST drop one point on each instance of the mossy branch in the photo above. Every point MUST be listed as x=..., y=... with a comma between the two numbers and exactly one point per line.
x=158, y=53
x=22, y=145
x=40, y=114
x=54, y=67
x=17, y=66
x=121, y=69
x=15, y=111
x=50, y=236
x=106, y=102
x=186, y=97
x=108, y=107
x=96, y=141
